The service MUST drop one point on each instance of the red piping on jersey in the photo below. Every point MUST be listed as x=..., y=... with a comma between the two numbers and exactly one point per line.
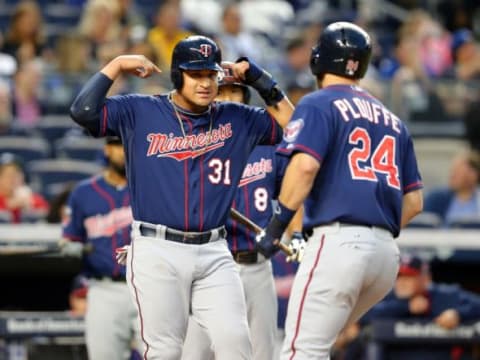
x=104, y=123
x=234, y=231
x=304, y=295
x=111, y=203
x=140, y=315
x=201, y=193
x=416, y=183
x=247, y=214
x=73, y=237
x=185, y=169
x=302, y=148
x=274, y=131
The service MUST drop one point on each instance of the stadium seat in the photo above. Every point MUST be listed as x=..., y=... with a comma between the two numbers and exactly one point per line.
x=79, y=147
x=54, y=127
x=33, y=215
x=5, y=217
x=425, y=220
x=466, y=223
x=50, y=176
x=27, y=148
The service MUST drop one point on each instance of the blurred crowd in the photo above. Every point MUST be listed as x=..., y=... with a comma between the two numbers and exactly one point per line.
x=426, y=58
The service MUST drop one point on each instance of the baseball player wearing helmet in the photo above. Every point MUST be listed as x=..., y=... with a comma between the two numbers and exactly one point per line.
x=258, y=186
x=99, y=213
x=185, y=155
x=353, y=165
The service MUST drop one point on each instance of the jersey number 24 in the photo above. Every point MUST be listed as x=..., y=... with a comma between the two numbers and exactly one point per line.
x=382, y=160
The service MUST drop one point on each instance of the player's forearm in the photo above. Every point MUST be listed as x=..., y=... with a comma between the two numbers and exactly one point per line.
x=87, y=106
x=412, y=205
x=282, y=111
x=298, y=180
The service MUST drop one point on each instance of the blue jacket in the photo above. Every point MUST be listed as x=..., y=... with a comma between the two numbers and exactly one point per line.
x=441, y=296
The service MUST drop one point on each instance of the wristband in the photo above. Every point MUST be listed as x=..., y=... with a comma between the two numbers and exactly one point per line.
x=263, y=82
x=280, y=220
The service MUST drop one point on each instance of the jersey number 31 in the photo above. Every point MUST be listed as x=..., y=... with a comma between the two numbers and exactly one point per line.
x=381, y=161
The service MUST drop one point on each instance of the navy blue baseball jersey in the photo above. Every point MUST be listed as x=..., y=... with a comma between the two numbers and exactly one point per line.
x=260, y=183
x=191, y=162
x=99, y=214
x=366, y=154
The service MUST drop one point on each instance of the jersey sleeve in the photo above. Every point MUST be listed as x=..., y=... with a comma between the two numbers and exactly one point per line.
x=117, y=115
x=309, y=131
x=262, y=126
x=411, y=179
x=73, y=228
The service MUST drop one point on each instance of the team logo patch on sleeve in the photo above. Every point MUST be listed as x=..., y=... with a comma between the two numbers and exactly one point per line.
x=292, y=130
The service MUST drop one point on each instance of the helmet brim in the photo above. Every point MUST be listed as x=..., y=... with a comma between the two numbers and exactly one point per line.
x=201, y=65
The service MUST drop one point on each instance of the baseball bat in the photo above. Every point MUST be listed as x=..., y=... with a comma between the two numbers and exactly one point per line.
x=242, y=219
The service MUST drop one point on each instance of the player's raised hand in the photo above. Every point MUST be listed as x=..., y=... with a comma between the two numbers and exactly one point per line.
x=137, y=65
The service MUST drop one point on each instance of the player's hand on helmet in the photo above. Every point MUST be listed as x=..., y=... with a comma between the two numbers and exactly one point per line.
x=137, y=65
x=267, y=245
x=121, y=254
x=71, y=248
x=297, y=247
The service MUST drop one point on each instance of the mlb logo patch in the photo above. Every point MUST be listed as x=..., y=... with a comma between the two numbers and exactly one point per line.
x=351, y=67
x=292, y=130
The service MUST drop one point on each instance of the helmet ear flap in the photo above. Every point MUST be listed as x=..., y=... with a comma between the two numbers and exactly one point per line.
x=177, y=78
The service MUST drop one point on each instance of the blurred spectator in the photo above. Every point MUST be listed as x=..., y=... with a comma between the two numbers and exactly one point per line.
x=77, y=298
x=25, y=38
x=415, y=296
x=297, y=90
x=100, y=23
x=413, y=97
x=65, y=77
x=233, y=40
x=166, y=32
x=460, y=201
x=466, y=55
x=130, y=17
x=5, y=108
x=27, y=105
x=294, y=67
x=16, y=197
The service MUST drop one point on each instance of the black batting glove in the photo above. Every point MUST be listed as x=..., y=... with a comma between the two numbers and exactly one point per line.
x=263, y=82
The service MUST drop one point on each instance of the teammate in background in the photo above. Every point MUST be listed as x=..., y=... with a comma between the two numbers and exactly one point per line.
x=352, y=161
x=185, y=156
x=258, y=186
x=99, y=214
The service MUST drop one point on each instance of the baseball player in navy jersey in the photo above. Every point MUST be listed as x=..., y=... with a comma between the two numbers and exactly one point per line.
x=258, y=186
x=352, y=164
x=185, y=155
x=99, y=214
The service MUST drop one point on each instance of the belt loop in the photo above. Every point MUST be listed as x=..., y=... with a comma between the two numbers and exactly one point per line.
x=161, y=231
x=214, y=235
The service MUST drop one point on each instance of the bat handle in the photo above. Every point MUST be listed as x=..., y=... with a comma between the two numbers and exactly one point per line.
x=284, y=248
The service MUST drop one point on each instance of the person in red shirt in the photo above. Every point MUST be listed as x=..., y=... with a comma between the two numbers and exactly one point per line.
x=16, y=197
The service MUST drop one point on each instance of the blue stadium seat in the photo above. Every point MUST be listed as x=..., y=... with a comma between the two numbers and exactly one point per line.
x=33, y=215
x=62, y=14
x=5, y=217
x=79, y=147
x=426, y=220
x=54, y=127
x=27, y=148
x=467, y=223
x=49, y=177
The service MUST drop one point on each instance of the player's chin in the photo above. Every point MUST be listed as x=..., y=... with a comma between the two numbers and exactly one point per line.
x=204, y=99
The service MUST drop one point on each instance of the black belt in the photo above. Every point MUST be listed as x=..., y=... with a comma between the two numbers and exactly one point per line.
x=245, y=257
x=183, y=237
x=115, y=278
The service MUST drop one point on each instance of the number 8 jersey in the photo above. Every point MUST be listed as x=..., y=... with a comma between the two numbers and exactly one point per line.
x=366, y=154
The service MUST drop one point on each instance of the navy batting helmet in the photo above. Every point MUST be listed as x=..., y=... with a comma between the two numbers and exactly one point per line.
x=344, y=49
x=194, y=53
x=226, y=78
